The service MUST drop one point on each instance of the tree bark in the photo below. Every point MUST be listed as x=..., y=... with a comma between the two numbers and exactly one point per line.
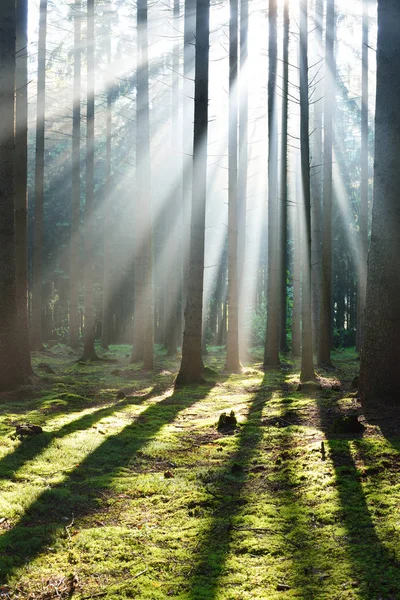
x=271, y=351
x=380, y=358
x=37, y=258
x=89, y=352
x=191, y=369
x=76, y=184
x=232, y=359
x=362, y=270
x=284, y=182
x=11, y=373
x=21, y=185
x=325, y=317
x=143, y=337
x=307, y=366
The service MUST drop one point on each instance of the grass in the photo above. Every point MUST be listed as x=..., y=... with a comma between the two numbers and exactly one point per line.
x=142, y=497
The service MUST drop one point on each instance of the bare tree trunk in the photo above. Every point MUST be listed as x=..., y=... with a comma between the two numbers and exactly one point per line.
x=316, y=178
x=89, y=333
x=191, y=369
x=362, y=271
x=76, y=184
x=242, y=170
x=380, y=357
x=307, y=366
x=107, y=291
x=296, y=270
x=37, y=259
x=21, y=178
x=173, y=282
x=325, y=320
x=271, y=351
x=11, y=373
x=232, y=358
x=143, y=337
x=187, y=145
x=284, y=181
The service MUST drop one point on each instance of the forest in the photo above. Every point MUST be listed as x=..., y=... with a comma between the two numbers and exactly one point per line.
x=199, y=299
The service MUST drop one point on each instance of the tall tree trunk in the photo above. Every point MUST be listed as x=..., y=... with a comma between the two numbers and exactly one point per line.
x=21, y=179
x=316, y=178
x=307, y=366
x=11, y=373
x=380, y=357
x=362, y=270
x=76, y=184
x=107, y=291
x=325, y=318
x=37, y=259
x=173, y=282
x=89, y=352
x=284, y=181
x=191, y=369
x=271, y=352
x=143, y=338
x=296, y=268
x=187, y=141
x=232, y=358
x=242, y=169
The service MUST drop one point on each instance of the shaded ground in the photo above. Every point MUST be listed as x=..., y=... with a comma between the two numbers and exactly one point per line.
x=137, y=495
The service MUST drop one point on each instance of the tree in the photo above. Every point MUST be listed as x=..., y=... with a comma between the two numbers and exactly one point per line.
x=232, y=358
x=21, y=182
x=362, y=271
x=191, y=368
x=380, y=358
x=89, y=352
x=37, y=259
x=143, y=337
x=76, y=184
x=307, y=367
x=242, y=166
x=325, y=317
x=284, y=179
x=271, y=352
x=11, y=373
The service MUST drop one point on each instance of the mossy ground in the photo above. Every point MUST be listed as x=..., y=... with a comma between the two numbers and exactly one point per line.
x=142, y=497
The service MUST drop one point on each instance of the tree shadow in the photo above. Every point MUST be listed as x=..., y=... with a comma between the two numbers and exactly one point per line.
x=375, y=568
x=227, y=485
x=80, y=491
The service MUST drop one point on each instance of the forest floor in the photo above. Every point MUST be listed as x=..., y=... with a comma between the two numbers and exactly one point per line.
x=137, y=494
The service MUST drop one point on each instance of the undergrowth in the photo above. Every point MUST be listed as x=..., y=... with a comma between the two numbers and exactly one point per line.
x=138, y=495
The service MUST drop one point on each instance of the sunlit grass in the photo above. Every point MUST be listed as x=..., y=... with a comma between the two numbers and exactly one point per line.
x=143, y=497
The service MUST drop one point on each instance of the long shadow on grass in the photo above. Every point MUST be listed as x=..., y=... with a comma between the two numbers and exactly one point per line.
x=32, y=447
x=228, y=484
x=376, y=570
x=80, y=491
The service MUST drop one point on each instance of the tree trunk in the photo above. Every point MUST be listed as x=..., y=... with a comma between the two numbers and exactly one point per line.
x=232, y=358
x=37, y=258
x=325, y=318
x=89, y=333
x=191, y=369
x=107, y=289
x=296, y=270
x=11, y=373
x=242, y=171
x=76, y=184
x=174, y=284
x=380, y=358
x=316, y=178
x=284, y=182
x=143, y=337
x=307, y=367
x=362, y=270
x=271, y=352
x=21, y=177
